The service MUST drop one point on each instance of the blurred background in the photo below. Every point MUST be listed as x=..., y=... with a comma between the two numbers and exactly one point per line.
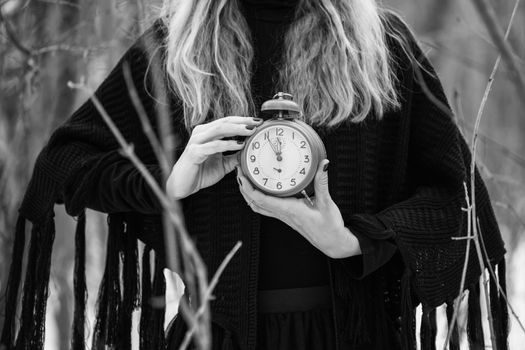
x=73, y=40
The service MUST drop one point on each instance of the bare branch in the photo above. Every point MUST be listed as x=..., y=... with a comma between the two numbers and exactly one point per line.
x=439, y=104
x=61, y=2
x=461, y=238
x=146, y=125
x=171, y=209
x=70, y=48
x=487, y=14
x=472, y=213
x=493, y=275
x=505, y=151
x=13, y=38
x=458, y=107
x=512, y=210
x=208, y=294
x=482, y=268
x=489, y=84
x=498, y=178
x=457, y=301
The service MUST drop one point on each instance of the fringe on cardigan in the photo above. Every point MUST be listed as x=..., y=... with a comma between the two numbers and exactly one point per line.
x=13, y=283
x=34, y=300
x=475, y=335
x=115, y=306
x=408, y=313
x=151, y=329
x=454, y=339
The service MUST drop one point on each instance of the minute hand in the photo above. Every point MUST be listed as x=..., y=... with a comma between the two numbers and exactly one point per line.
x=273, y=148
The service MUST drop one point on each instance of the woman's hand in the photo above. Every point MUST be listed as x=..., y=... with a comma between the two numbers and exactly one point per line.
x=202, y=163
x=321, y=224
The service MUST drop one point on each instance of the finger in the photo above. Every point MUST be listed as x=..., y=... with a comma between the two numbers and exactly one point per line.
x=216, y=131
x=255, y=205
x=201, y=152
x=278, y=206
x=242, y=181
x=265, y=200
x=321, y=183
x=241, y=120
x=248, y=190
x=246, y=121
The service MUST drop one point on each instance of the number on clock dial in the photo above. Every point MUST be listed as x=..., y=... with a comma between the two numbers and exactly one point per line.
x=279, y=158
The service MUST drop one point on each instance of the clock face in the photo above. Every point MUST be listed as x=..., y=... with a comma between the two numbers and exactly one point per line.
x=279, y=158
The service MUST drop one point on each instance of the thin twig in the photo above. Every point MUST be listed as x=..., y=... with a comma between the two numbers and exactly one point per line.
x=512, y=210
x=164, y=118
x=493, y=275
x=488, y=88
x=208, y=294
x=458, y=107
x=489, y=175
x=61, y=2
x=128, y=151
x=502, y=179
x=140, y=15
x=170, y=208
x=482, y=268
x=485, y=9
x=461, y=238
x=457, y=301
x=144, y=120
x=469, y=221
x=69, y=48
x=160, y=154
x=195, y=281
x=487, y=14
x=439, y=104
x=13, y=38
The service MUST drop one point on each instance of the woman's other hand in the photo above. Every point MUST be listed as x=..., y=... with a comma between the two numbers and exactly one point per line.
x=202, y=163
x=321, y=224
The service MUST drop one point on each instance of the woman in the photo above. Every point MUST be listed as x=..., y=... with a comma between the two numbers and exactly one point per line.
x=345, y=273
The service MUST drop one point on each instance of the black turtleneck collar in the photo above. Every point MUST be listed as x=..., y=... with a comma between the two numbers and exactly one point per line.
x=270, y=10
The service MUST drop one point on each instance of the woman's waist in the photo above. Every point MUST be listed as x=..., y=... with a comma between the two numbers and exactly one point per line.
x=294, y=299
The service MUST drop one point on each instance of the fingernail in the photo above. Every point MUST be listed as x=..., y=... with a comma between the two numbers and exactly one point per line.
x=239, y=181
x=325, y=167
x=257, y=119
x=240, y=142
x=250, y=127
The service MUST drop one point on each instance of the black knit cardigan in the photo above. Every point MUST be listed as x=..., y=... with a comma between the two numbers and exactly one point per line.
x=406, y=171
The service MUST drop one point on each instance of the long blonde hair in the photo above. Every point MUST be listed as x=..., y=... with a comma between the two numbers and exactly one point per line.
x=336, y=61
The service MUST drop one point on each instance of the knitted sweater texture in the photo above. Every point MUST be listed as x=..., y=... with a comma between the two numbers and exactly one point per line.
x=404, y=173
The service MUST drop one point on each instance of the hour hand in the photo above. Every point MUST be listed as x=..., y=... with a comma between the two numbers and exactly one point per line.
x=279, y=157
x=278, y=170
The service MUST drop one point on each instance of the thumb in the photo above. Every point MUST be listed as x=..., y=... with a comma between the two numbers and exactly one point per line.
x=321, y=182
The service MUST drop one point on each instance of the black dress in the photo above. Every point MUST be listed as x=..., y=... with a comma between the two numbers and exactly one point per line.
x=294, y=298
x=292, y=272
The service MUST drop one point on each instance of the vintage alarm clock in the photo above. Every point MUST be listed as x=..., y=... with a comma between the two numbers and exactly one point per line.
x=282, y=156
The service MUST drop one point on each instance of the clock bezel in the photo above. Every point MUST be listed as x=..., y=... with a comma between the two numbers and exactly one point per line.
x=316, y=146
